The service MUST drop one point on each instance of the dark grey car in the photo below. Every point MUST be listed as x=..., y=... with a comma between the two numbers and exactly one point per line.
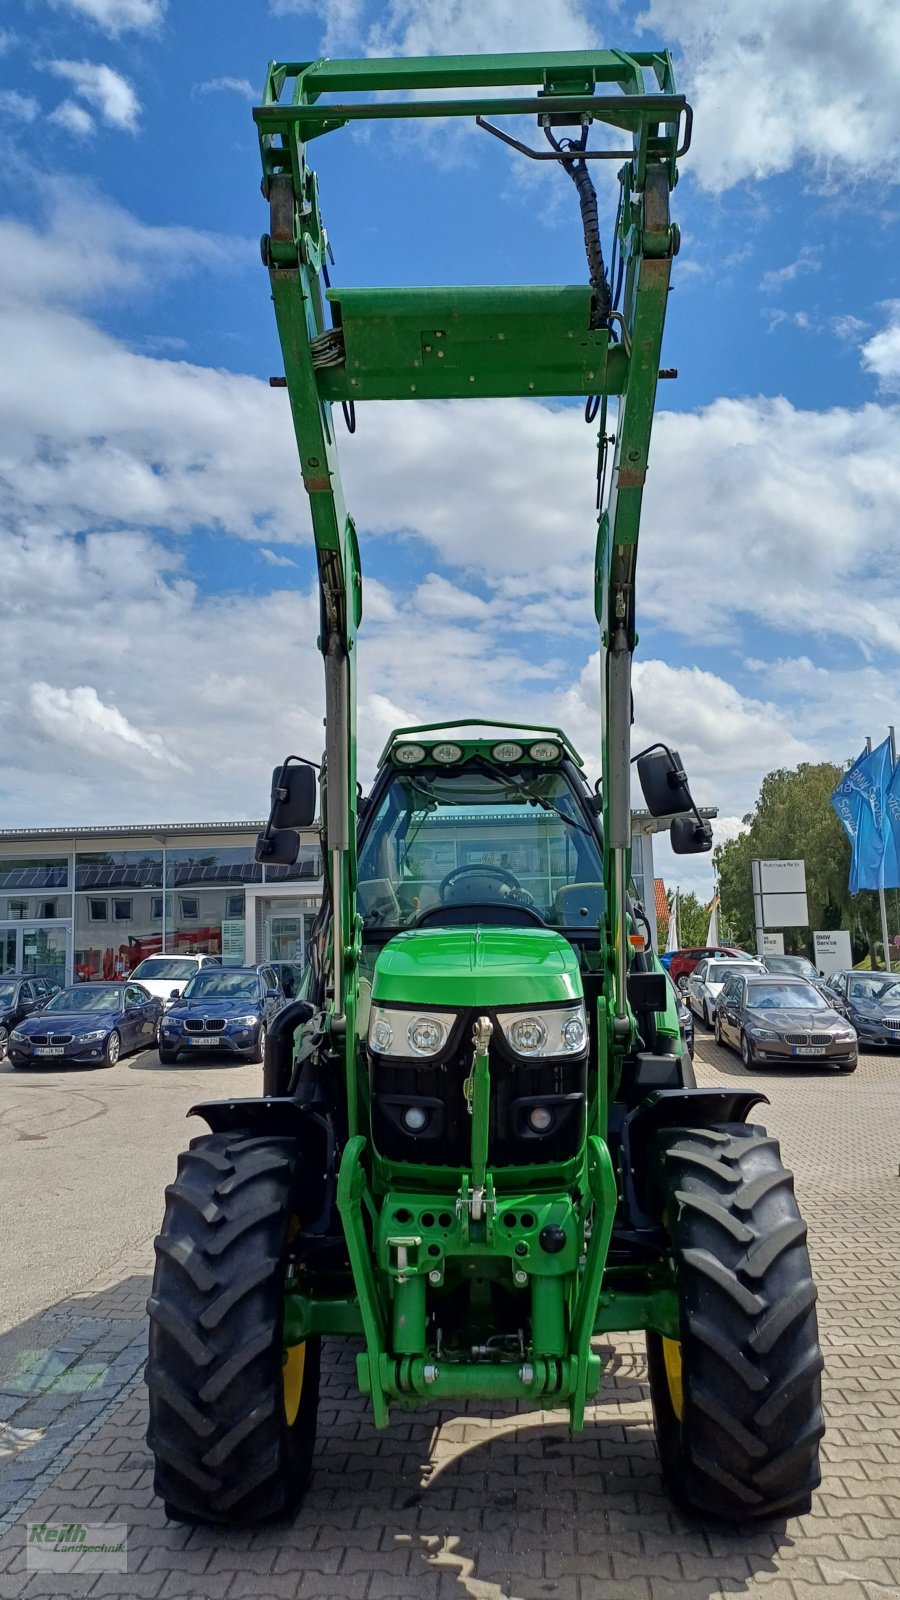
x=871, y=1003
x=774, y=1020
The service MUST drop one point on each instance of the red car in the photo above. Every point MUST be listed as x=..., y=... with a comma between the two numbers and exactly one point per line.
x=683, y=962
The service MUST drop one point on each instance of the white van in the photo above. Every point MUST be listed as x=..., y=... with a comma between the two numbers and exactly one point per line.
x=164, y=974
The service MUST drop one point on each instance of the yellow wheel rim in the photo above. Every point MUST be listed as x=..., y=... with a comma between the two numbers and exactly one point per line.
x=292, y=1379
x=672, y=1358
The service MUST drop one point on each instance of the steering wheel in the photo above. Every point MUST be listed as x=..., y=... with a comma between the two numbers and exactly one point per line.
x=491, y=889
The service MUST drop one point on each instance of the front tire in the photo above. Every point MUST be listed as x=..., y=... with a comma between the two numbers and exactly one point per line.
x=717, y=1031
x=113, y=1050
x=232, y=1413
x=747, y=1053
x=737, y=1397
x=258, y=1052
x=4, y=1043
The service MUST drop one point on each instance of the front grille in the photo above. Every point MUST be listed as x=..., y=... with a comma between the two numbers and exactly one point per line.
x=204, y=1024
x=40, y=1038
x=52, y=1038
x=894, y=1026
x=808, y=1038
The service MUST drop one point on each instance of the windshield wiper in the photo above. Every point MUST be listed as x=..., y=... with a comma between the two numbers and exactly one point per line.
x=509, y=778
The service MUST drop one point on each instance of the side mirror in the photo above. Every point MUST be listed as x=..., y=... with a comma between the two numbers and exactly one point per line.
x=175, y=994
x=689, y=837
x=273, y=994
x=294, y=796
x=664, y=782
x=281, y=847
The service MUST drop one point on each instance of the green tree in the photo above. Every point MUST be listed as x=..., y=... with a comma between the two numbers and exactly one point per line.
x=793, y=820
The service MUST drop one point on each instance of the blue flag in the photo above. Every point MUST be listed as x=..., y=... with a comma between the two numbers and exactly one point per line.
x=847, y=801
x=869, y=776
x=891, y=864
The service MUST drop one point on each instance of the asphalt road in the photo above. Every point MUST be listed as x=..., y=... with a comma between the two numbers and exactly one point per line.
x=85, y=1155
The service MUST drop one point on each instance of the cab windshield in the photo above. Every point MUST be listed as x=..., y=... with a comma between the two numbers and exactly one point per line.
x=480, y=836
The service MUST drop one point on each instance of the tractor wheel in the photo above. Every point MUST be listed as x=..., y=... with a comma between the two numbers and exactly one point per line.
x=232, y=1412
x=737, y=1398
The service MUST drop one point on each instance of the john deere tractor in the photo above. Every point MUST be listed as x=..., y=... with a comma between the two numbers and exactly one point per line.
x=479, y=1150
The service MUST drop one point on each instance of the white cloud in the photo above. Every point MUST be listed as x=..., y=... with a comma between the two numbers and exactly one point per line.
x=8, y=41
x=241, y=86
x=787, y=82
x=78, y=717
x=881, y=353
x=73, y=117
x=103, y=88
x=20, y=107
x=809, y=260
x=117, y=16
x=430, y=27
x=275, y=560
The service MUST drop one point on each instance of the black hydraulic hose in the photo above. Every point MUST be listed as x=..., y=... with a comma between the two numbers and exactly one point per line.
x=590, y=221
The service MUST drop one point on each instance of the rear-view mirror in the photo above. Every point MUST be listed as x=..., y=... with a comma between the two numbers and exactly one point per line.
x=280, y=847
x=294, y=796
x=664, y=782
x=690, y=837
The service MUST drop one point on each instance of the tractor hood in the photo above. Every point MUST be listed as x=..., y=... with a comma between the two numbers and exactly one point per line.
x=479, y=966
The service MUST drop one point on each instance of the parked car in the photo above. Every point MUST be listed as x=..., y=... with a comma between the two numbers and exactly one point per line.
x=870, y=1001
x=792, y=967
x=683, y=962
x=167, y=975
x=21, y=994
x=705, y=984
x=685, y=1018
x=222, y=1008
x=89, y=1023
x=772, y=1020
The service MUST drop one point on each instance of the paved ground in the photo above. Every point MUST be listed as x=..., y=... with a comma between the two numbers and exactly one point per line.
x=494, y=1504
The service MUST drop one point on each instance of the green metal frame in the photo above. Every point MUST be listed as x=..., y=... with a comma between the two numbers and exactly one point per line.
x=353, y=345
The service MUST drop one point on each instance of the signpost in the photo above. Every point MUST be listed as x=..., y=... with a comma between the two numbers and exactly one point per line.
x=833, y=952
x=779, y=897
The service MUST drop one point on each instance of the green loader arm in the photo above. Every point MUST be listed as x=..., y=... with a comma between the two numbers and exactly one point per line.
x=412, y=343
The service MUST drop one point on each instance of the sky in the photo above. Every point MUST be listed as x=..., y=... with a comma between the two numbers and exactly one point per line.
x=157, y=642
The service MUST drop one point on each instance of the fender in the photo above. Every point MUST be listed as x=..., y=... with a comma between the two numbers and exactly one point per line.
x=313, y=1134
x=279, y=1059
x=670, y=1108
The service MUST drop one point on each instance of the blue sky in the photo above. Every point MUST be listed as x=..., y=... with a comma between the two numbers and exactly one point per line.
x=158, y=639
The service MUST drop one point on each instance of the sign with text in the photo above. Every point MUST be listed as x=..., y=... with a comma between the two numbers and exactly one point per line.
x=773, y=944
x=779, y=896
x=833, y=952
x=233, y=943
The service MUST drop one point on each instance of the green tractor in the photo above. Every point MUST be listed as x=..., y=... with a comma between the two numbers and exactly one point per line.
x=480, y=1147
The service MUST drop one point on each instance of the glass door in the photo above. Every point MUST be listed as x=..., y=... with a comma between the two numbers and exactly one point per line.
x=44, y=951
x=287, y=940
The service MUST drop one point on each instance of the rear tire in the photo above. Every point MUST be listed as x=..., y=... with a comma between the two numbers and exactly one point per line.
x=232, y=1433
x=737, y=1399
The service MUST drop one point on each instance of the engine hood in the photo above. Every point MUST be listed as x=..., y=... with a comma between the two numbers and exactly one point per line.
x=479, y=966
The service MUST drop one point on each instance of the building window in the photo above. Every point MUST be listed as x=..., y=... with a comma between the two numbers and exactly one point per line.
x=190, y=908
x=98, y=910
x=48, y=908
x=156, y=907
x=122, y=910
x=234, y=906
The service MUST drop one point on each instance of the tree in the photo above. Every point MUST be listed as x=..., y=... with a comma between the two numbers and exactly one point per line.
x=793, y=820
x=693, y=921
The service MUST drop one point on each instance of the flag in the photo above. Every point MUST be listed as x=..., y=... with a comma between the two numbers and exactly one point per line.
x=712, y=932
x=859, y=801
x=672, y=940
x=891, y=864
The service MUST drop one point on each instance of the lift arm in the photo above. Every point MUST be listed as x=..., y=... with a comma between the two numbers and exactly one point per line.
x=409, y=343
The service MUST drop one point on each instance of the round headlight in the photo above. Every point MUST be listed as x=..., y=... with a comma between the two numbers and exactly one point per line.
x=425, y=1035
x=506, y=752
x=540, y=1118
x=573, y=1032
x=415, y=1118
x=528, y=1035
x=382, y=1035
x=409, y=754
x=544, y=750
x=446, y=753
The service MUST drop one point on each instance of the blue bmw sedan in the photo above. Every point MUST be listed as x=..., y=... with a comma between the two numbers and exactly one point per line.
x=89, y=1024
x=222, y=1008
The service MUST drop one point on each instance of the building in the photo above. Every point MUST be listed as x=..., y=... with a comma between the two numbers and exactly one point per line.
x=78, y=903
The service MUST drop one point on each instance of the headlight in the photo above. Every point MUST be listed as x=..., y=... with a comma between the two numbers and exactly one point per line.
x=409, y=1033
x=536, y=1034
x=91, y=1038
x=845, y=1033
x=763, y=1033
x=244, y=1022
x=18, y=1037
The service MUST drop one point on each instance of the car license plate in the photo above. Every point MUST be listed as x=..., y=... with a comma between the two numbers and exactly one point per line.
x=49, y=1050
x=809, y=1050
x=206, y=1041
